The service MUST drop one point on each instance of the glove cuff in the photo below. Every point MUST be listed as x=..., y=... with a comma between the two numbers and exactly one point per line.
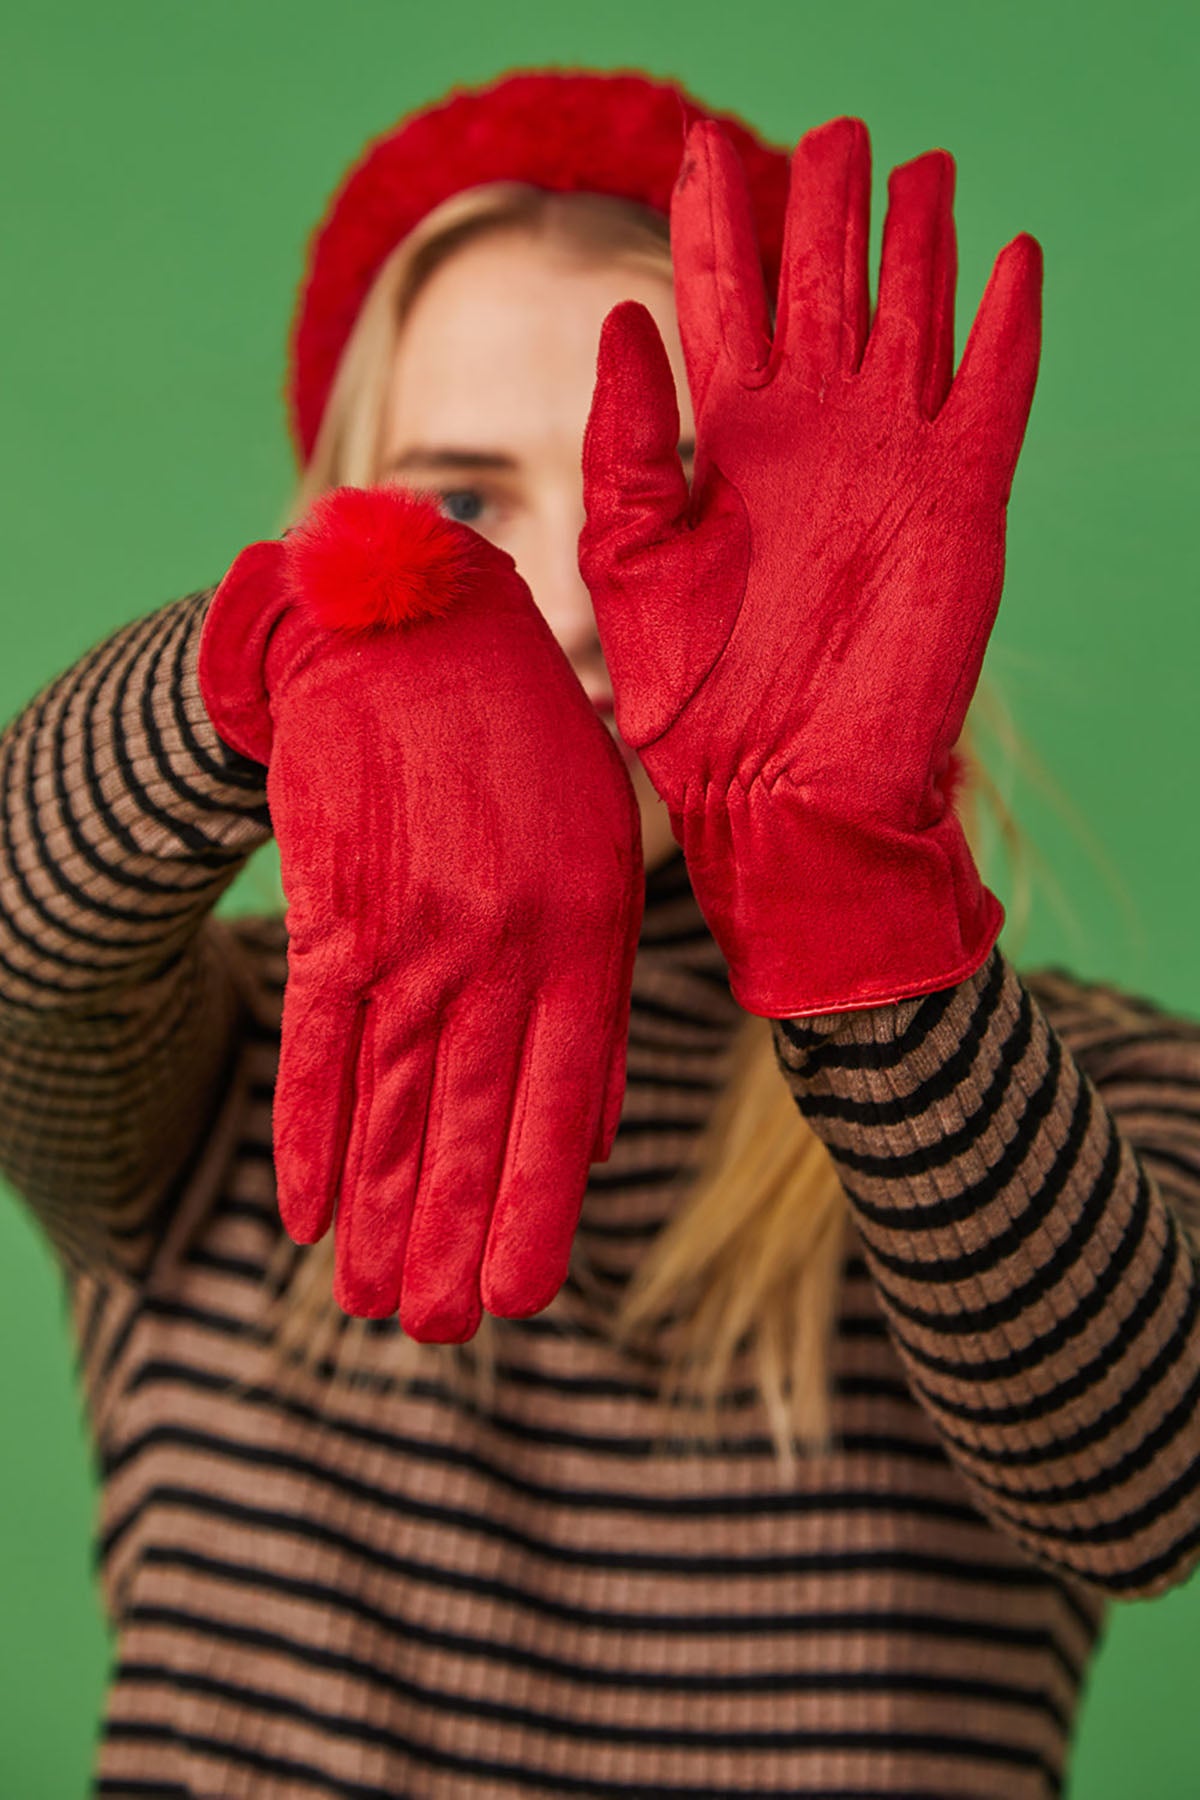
x=241, y=617
x=819, y=914
x=361, y=559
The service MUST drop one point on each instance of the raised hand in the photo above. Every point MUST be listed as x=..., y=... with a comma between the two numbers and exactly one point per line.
x=461, y=853
x=794, y=644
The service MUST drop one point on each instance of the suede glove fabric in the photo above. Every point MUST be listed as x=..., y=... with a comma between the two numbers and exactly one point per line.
x=461, y=853
x=794, y=643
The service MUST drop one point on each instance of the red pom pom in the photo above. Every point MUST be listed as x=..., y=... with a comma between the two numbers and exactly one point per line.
x=363, y=557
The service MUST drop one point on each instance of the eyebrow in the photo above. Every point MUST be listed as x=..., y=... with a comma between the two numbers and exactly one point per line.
x=437, y=457
x=431, y=456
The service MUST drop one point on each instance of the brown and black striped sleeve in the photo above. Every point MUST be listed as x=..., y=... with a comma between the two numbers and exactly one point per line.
x=123, y=817
x=1025, y=1209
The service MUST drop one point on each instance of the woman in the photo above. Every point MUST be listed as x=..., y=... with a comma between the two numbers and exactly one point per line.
x=941, y=1249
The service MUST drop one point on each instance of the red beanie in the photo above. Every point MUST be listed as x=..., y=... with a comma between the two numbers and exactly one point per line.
x=573, y=131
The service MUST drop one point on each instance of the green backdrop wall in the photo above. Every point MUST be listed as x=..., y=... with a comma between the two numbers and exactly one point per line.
x=162, y=165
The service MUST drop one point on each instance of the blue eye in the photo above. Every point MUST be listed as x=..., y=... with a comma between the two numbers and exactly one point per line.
x=463, y=504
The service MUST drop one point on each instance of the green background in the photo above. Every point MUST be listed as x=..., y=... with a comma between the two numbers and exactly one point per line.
x=162, y=166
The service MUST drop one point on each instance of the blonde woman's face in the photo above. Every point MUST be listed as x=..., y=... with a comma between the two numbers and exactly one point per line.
x=487, y=402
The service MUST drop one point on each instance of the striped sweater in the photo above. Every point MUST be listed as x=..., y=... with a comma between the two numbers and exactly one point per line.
x=388, y=1589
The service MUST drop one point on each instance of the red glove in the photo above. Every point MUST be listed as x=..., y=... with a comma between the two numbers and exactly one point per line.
x=793, y=646
x=461, y=852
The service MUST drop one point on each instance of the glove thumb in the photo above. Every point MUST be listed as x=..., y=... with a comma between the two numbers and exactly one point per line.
x=641, y=554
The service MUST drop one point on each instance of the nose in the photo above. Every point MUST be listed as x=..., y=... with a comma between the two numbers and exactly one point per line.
x=566, y=606
x=552, y=571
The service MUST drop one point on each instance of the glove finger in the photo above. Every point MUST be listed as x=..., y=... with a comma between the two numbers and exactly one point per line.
x=999, y=368
x=913, y=336
x=466, y=1135
x=614, y=1101
x=720, y=295
x=635, y=492
x=314, y=1099
x=821, y=325
x=382, y=1166
x=555, y=1114
x=661, y=618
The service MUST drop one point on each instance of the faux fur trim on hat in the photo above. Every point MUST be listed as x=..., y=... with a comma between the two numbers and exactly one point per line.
x=571, y=131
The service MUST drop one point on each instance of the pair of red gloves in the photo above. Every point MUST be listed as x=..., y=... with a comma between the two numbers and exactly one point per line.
x=793, y=647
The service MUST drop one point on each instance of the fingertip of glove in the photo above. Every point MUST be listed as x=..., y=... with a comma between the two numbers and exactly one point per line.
x=627, y=318
x=380, y=556
x=447, y=1322
x=708, y=145
x=930, y=177
x=845, y=134
x=694, y=147
x=1027, y=250
x=633, y=374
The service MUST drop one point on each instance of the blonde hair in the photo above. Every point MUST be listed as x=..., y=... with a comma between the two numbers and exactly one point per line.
x=750, y=1259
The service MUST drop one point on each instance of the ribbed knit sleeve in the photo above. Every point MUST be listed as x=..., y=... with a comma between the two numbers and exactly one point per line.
x=122, y=819
x=1024, y=1210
